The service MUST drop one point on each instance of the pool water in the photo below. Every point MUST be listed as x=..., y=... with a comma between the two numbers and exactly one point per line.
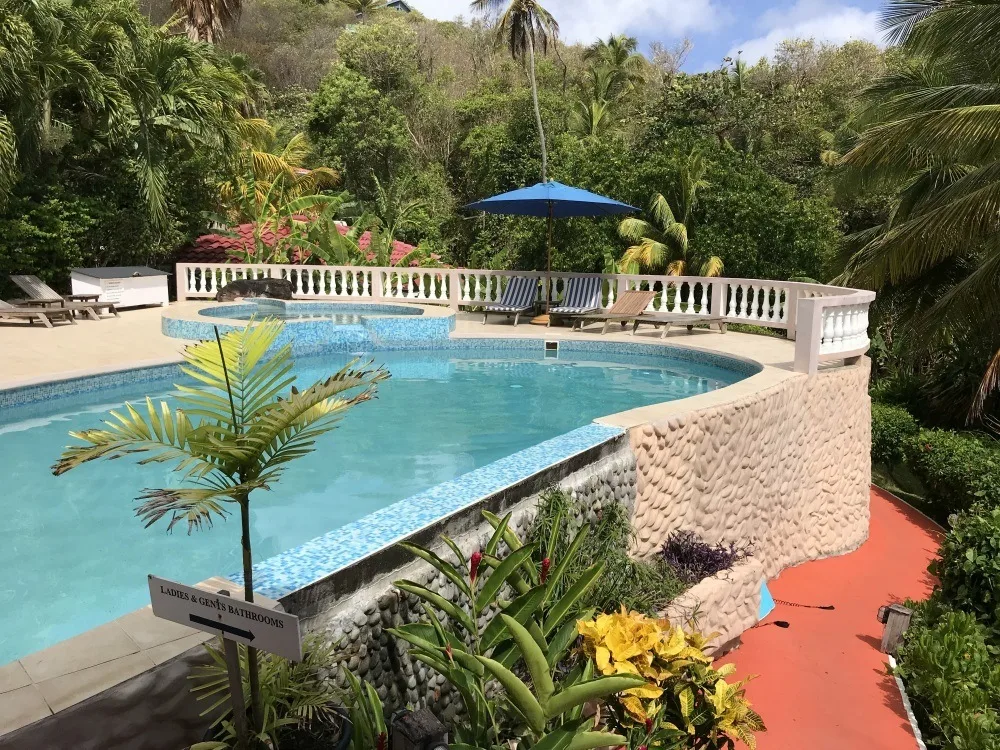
x=293, y=314
x=75, y=556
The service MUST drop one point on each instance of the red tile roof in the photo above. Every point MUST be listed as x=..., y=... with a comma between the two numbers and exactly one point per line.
x=217, y=248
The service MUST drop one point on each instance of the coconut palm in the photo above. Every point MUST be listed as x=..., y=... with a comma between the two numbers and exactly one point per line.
x=232, y=434
x=662, y=243
x=590, y=119
x=617, y=55
x=524, y=26
x=206, y=20
x=931, y=132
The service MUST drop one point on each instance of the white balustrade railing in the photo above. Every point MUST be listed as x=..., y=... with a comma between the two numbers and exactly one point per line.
x=827, y=322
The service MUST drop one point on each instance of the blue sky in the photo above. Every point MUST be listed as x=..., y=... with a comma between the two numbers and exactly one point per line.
x=716, y=27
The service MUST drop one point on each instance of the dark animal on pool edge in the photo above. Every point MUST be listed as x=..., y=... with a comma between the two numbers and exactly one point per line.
x=273, y=288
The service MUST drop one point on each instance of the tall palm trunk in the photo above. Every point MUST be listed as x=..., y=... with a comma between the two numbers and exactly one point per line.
x=538, y=111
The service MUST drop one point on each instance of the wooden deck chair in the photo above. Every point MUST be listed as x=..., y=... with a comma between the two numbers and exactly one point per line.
x=631, y=305
x=31, y=314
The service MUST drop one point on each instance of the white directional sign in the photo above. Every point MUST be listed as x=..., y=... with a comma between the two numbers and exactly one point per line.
x=252, y=624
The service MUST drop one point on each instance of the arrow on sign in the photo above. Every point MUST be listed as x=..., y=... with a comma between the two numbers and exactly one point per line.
x=221, y=626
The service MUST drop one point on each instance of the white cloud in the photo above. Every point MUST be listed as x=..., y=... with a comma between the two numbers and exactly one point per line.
x=810, y=19
x=586, y=20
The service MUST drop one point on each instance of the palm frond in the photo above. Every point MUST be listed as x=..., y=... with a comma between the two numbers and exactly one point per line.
x=634, y=230
x=713, y=266
x=163, y=434
x=193, y=505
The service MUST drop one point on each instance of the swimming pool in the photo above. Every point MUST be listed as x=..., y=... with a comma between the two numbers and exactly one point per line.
x=75, y=556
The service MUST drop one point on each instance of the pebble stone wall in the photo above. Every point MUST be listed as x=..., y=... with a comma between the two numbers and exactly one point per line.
x=360, y=624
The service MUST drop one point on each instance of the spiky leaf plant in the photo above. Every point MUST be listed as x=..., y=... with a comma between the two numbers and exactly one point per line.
x=233, y=433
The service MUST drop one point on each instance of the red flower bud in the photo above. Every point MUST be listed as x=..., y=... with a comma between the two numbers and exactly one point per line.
x=649, y=726
x=545, y=569
x=383, y=741
x=642, y=747
x=477, y=557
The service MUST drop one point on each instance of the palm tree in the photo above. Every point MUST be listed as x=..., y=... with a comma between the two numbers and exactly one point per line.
x=663, y=242
x=932, y=135
x=393, y=208
x=249, y=423
x=365, y=8
x=205, y=20
x=524, y=25
x=590, y=119
x=617, y=54
x=266, y=165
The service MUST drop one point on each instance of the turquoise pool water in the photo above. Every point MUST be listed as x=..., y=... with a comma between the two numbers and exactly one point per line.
x=75, y=556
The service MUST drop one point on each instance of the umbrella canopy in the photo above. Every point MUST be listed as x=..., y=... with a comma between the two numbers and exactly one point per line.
x=551, y=199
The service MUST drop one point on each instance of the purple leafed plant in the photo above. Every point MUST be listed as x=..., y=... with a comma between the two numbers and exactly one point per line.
x=693, y=559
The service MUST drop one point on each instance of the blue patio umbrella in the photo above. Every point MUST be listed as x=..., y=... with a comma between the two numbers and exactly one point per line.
x=552, y=200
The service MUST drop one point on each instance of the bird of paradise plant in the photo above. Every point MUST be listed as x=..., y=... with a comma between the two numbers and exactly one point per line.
x=232, y=434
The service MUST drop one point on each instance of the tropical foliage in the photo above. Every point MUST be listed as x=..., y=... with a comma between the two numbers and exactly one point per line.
x=685, y=702
x=930, y=136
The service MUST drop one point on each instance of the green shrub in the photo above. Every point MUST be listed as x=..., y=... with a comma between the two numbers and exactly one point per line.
x=644, y=586
x=957, y=468
x=952, y=677
x=969, y=566
x=893, y=428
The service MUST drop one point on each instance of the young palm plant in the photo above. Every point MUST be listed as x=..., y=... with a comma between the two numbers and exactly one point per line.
x=663, y=242
x=232, y=434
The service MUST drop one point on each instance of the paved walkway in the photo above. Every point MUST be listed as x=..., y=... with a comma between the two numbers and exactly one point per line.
x=823, y=682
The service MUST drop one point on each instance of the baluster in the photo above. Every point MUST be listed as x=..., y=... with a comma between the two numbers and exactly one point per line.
x=753, y=292
x=464, y=287
x=782, y=301
x=399, y=286
x=731, y=309
x=828, y=328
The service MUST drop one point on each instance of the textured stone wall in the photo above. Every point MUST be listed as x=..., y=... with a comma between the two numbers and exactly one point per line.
x=786, y=468
x=360, y=624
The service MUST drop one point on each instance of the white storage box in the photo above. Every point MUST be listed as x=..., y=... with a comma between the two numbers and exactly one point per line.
x=126, y=286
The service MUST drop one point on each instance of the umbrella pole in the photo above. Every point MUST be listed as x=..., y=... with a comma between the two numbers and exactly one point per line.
x=543, y=320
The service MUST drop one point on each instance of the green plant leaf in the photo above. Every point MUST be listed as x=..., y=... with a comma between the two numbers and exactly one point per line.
x=563, y=564
x=521, y=609
x=454, y=611
x=519, y=694
x=564, y=638
x=447, y=569
x=568, y=600
x=592, y=740
x=577, y=695
x=534, y=659
x=499, y=527
x=500, y=575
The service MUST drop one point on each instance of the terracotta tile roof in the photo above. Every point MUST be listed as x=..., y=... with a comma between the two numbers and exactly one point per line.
x=216, y=248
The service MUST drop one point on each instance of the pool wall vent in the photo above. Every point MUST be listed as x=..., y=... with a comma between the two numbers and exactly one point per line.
x=551, y=349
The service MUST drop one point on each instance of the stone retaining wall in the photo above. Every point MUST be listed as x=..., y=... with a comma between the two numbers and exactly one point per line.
x=359, y=624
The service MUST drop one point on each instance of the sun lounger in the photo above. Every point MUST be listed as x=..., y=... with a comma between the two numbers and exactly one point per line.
x=679, y=319
x=627, y=308
x=581, y=295
x=41, y=293
x=31, y=314
x=519, y=297
x=37, y=289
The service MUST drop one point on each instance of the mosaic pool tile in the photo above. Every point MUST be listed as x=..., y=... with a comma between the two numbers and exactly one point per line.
x=291, y=570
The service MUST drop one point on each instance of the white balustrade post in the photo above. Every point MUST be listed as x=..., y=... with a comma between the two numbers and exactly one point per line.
x=718, y=302
x=181, y=277
x=791, y=306
x=377, y=293
x=454, y=290
x=809, y=317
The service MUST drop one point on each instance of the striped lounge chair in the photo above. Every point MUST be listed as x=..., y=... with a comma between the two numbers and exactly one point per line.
x=519, y=297
x=581, y=295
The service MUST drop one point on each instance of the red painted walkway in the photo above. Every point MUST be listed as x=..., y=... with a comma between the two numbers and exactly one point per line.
x=823, y=683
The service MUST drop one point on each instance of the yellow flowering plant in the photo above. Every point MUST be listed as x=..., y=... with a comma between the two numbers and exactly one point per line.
x=686, y=702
